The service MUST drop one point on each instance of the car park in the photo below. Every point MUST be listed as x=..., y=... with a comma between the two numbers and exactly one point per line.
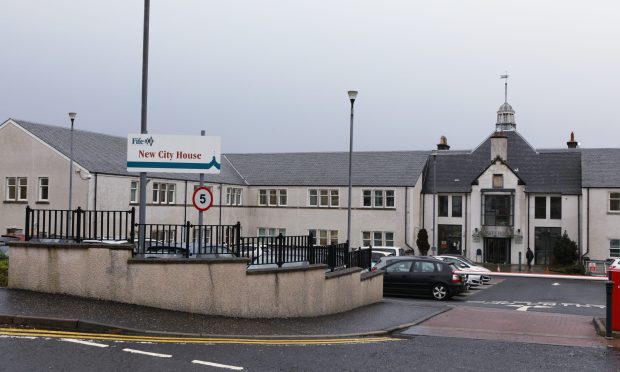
x=463, y=263
x=423, y=276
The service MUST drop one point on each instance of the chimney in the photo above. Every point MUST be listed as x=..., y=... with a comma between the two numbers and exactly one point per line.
x=499, y=146
x=572, y=144
x=443, y=143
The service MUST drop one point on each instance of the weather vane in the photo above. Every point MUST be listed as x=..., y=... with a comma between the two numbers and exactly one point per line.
x=505, y=76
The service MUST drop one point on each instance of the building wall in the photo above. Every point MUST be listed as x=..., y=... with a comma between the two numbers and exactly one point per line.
x=25, y=156
x=603, y=224
x=219, y=287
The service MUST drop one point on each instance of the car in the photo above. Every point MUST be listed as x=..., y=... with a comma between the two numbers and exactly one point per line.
x=384, y=261
x=395, y=251
x=424, y=276
x=376, y=257
x=465, y=264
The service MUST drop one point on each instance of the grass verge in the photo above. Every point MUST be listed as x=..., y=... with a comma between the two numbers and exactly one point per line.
x=4, y=271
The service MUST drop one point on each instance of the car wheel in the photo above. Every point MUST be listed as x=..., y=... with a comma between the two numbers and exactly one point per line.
x=439, y=292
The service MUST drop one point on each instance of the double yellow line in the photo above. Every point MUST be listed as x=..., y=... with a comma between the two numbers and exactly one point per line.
x=18, y=332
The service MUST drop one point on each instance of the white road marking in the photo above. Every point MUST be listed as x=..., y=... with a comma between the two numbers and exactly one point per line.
x=26, y=337
x=555, y=284
x=217, y=365
x=83, y=342
x=147, y=353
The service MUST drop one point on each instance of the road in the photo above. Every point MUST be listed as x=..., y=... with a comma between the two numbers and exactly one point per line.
x=54, y=352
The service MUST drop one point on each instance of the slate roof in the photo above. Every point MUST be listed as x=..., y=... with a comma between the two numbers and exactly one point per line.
x=101, y=153
x=601, y=167
x=551, y=171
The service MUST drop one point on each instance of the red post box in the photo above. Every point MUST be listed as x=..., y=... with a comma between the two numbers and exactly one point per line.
x=614, y=276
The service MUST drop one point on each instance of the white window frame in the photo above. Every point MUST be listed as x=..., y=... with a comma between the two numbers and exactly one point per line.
x=324, y=236
x=610, y=199
x=234, y=195
x=280, y=195
x=271, y=232
x=382, y=195
x=332, y=198
x=45, y=187
x=614, y=245
x=384, y=238
x=164, y=193
x=19, y=187
x=134, y=192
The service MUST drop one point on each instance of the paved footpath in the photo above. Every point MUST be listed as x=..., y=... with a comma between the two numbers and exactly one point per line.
x=510, y=325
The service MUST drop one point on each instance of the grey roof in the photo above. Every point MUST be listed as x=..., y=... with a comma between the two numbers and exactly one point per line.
x=506, y=107
x=101, y=153
x=543, y=172
x=601, y=167
x=392, y=168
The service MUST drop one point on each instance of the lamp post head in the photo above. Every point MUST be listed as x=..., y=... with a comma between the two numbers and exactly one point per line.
x=352, y=95
x=72, y=116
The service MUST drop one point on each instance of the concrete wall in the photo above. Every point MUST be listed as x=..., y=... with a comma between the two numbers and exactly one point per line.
x=213, y=287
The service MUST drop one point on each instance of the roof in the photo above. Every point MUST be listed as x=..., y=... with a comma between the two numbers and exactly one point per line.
x=543, y=172
x=102, y=153
x=601, y=167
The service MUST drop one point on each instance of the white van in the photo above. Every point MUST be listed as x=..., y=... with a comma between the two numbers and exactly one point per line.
x=394, y=251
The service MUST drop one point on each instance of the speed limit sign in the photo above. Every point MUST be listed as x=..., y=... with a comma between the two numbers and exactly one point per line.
x=202, y=198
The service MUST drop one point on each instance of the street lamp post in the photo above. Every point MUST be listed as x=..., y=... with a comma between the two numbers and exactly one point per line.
x=69, y=220
x=352, y=96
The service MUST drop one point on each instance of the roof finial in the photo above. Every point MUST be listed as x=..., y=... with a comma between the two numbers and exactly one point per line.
x=505, y=86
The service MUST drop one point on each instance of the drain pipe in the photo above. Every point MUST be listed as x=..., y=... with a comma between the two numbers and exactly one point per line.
x=587, y=225
x=406, y=219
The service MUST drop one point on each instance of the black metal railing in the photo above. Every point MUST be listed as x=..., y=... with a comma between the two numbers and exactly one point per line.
x=188, y=240
x=79, y=225
x=265, y=250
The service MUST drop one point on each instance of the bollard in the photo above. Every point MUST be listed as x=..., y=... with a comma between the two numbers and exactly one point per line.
x=519, y=261
x=609, y=287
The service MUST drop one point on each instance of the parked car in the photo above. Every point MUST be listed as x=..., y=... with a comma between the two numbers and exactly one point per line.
x=465, y=264
x=376, y=257
x=384, y=261
x=394, y=251
x=422, y=276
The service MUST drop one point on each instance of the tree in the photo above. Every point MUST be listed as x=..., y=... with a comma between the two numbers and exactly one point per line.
x=565, y=250
x=422, y=242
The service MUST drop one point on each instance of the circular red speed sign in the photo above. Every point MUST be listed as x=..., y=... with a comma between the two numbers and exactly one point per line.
x=202, y=198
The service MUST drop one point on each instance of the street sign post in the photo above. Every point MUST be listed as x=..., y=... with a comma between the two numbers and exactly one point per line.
x=202, y=199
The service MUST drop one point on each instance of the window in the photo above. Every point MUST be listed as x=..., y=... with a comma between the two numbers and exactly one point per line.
x=497, y=210
x=233, y=195
x=423, y=267
x=272, y=197
x=457, y=206
x=163, y=193
x=443, y=206
x=16, y=189
x=377, y=238
x=271, y=231
x=555, y=208
x=323, y=198
x=614, y=248
x=324, y=237
x=614, y=201
x=540, y=207
x=378, y=198
x=498, y=181
x=133, y=192
x=400, y=267
x=43, y=189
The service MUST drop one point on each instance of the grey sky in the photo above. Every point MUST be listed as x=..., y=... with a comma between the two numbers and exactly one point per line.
x=272, y=76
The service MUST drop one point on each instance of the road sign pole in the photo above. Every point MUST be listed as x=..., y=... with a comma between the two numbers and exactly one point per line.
x=200, y=216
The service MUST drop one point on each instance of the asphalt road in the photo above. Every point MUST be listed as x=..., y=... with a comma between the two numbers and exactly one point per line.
x=565, y=296
x=417, y=354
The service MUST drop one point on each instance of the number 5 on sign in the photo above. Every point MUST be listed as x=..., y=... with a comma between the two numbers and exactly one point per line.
x=202, y=199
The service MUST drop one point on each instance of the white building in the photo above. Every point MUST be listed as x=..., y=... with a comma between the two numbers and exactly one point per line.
x=490, y=203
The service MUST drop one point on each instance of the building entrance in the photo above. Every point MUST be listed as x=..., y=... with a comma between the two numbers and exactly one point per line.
x=544, y=240
x=497, y=250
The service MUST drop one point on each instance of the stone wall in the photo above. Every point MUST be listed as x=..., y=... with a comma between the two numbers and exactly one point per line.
x=207, y=286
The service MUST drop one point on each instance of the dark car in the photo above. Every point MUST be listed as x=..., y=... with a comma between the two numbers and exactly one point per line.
x=422, y=276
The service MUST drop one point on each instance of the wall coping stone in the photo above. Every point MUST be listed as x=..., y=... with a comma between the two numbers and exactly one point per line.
x=112, y=247
x=279, y=270
x=343, y=272
x=184, y=261
x=371, y=274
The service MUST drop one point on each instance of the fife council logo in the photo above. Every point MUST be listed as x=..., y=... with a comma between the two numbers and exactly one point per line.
x=142, y=141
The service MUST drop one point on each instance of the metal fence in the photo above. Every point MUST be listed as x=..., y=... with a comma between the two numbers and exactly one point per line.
x=278, y=250
x=188, y=240
x=79, y=225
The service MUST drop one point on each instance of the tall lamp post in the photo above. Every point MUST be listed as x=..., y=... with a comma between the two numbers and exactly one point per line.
x=72, y=117
x=352, y=96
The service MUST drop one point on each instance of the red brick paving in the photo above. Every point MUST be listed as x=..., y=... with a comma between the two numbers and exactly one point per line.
x=512, y=325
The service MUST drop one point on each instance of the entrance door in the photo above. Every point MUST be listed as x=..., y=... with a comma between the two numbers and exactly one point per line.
x=544, y=241
x=449, y=239
x=497, y=250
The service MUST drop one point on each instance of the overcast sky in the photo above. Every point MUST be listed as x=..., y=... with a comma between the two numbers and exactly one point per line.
x=273, y=75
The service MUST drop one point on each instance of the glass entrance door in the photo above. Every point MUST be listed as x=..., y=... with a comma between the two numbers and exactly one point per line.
x=497, y=250
x=544, y=241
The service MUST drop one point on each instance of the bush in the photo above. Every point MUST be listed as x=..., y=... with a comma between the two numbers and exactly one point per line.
x=565, y=251
x=575, y=268
x=422, y=242
x=4, y=271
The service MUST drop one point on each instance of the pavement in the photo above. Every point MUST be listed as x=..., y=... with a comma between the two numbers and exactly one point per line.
x=53, y=311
